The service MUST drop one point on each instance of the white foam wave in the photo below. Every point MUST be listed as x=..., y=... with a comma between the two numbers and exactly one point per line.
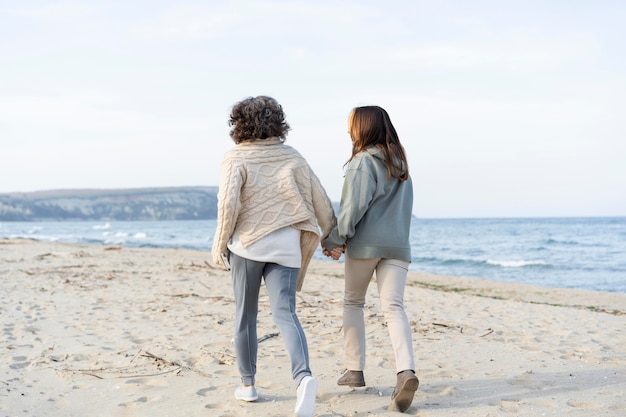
x=515, y=264
x=140, y=235
x=102, y=226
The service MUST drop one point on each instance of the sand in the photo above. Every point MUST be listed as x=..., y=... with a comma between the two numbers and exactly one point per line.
x=116, y=331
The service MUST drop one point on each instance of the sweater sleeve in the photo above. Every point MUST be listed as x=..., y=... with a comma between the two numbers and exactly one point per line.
x=228, y=206
x=322, y=206
x=359, y=187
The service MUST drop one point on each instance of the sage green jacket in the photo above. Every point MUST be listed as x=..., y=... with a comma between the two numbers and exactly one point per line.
x=375, y=213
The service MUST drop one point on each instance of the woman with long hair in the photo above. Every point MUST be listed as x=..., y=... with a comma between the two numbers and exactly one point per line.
x=373, y=229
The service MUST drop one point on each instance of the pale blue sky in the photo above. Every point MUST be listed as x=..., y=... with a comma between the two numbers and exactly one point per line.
x=506, y=108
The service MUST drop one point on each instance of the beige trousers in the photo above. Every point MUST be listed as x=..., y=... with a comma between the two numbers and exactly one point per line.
x=391, y=279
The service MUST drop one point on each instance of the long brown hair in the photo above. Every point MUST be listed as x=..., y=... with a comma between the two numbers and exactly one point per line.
x=371, y=126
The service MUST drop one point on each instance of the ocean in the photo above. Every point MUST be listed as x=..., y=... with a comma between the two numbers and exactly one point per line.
x=585, y=253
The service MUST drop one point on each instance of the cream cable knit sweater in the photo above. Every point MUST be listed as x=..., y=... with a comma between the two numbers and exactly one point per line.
x=266, y=185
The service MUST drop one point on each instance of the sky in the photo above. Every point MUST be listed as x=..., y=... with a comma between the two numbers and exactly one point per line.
x=505, y=108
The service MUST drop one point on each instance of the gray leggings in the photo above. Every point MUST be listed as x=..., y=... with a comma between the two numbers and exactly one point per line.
x=281, y=287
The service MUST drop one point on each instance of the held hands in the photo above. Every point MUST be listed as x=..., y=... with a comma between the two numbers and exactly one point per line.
x=335, y=253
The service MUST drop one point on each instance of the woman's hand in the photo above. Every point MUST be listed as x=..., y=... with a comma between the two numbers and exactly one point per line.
x=335, y=253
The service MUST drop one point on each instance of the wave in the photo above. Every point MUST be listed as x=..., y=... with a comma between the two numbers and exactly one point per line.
x=92, y=241
x=516, y=264
x=574, y=243
x=480, y=263
x=551, y=241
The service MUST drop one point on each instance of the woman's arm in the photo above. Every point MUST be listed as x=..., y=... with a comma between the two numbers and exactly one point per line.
x=228, y=206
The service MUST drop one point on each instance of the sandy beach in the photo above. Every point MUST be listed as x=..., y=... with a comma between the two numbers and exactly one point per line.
x=116, y=331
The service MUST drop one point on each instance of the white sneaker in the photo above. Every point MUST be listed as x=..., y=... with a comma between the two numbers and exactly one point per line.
x=246, y=394
x=305, y=403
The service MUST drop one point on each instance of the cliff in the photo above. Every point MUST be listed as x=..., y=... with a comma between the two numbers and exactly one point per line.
x=173, y=203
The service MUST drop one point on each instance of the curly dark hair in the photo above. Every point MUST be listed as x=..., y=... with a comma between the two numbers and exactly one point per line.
x=258, y=117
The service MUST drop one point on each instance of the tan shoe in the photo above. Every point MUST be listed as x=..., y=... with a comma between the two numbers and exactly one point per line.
x=402, y=396
x=352, y=379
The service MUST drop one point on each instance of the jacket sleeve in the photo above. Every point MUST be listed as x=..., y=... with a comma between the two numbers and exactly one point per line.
x=359, y=187
x=228, y=206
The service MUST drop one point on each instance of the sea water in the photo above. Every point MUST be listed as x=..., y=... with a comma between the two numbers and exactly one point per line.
x=586, y=253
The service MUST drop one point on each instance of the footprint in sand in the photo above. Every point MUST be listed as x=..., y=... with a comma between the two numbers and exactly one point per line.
x=509, y=406
x=528, y=380
x=583, y=404
x=225, y=407
x=151, y=382
x=444, y=390
x=9, y=332
x=20, y=362
x=204, y=391
x=324, y=353
x=139, y=401
x=229, y=371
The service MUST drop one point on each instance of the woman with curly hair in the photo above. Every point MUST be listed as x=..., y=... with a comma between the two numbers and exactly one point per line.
x=271, y=211
x=373, y=227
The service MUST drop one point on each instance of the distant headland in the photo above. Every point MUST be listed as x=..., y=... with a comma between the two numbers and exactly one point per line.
x=166, y=203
